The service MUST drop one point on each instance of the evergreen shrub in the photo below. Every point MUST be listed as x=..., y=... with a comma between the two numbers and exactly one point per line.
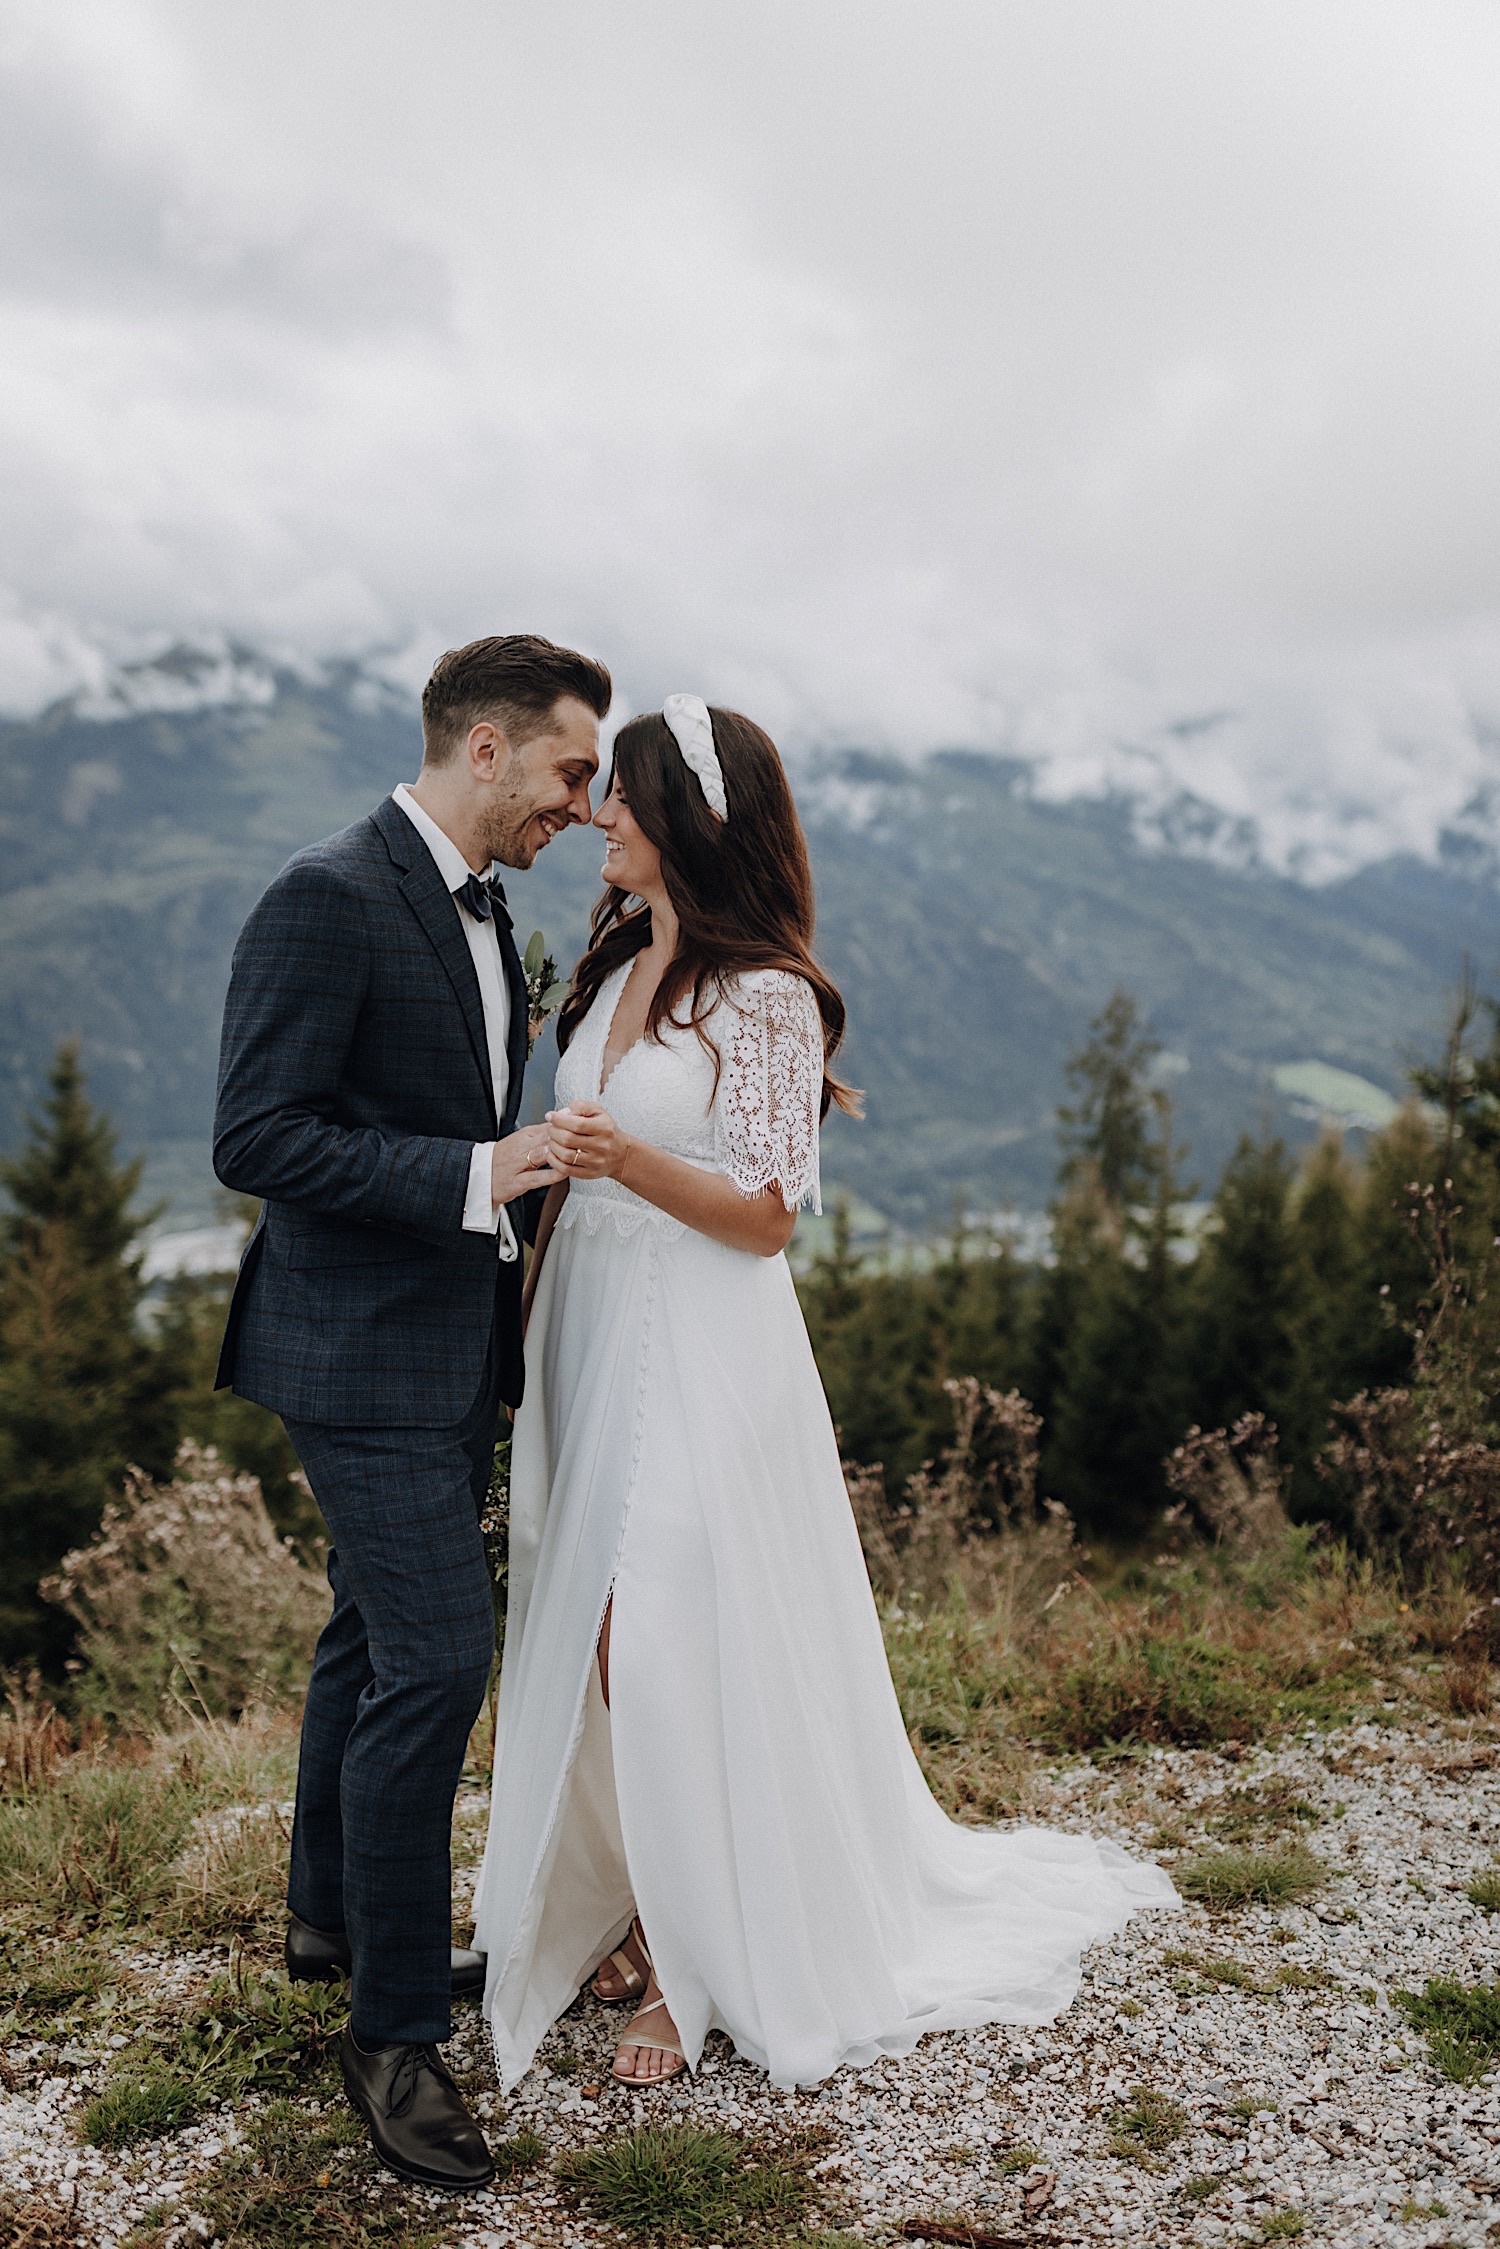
x=84, y=1389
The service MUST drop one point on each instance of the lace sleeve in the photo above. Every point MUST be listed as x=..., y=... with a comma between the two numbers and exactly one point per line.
x=766, y=1116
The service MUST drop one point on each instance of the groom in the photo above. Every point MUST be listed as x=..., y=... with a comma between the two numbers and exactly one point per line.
x=375, y=1035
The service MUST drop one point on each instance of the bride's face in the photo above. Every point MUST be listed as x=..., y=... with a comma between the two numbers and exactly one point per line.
x=631, y=860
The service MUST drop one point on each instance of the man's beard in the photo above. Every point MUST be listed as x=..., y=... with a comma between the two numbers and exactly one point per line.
x=509, y=833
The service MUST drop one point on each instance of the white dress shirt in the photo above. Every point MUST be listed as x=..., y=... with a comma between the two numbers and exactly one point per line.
x=481, y=1214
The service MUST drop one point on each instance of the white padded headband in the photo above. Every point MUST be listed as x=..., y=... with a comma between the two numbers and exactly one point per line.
x=687, y=716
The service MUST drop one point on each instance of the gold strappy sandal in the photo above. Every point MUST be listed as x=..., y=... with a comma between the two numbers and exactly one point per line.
x=652, y=2045
x=630, y=1975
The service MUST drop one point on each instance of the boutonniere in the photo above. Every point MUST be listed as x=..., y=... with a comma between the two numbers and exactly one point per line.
x=545, y=989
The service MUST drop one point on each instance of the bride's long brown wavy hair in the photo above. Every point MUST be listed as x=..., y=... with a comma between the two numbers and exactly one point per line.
x=741, y=888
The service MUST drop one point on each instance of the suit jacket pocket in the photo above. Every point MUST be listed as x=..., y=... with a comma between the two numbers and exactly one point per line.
x=312, y=1249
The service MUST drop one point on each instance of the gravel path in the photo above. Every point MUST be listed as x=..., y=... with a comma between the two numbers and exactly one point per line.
x=1306, y=2096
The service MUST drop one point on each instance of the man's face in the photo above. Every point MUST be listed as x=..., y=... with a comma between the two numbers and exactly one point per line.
x=544, y=786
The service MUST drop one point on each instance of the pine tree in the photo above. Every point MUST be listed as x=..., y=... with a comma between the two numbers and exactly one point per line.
x=1086, y=1244
x=82, y=1391
x=1107, y=1358
x=1102, y=1136
x=1121, y=1400
x=875, y=1347
x=981, y=1304
x=1250, y=1297
x=1332, y=1322
x=1392, y=1273
x=1106, y=1130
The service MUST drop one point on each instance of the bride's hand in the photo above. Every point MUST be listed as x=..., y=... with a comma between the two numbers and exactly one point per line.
x=584, y=1142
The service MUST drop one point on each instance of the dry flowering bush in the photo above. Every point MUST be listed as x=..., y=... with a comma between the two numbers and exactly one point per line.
x=1410, y=1482
x=1228, y=1516
x=1418, y=1468
x=186, y=1598
x=1227, y=1486
x=973, y=1519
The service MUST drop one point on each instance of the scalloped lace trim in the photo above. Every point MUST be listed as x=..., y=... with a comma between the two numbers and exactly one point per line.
x=767, y=1115
x=593, y=1203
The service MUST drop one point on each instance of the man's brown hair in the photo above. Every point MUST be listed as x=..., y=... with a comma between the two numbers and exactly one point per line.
x=513, y=680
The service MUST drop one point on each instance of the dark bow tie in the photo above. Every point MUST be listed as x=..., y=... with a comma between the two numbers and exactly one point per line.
x=483, y=898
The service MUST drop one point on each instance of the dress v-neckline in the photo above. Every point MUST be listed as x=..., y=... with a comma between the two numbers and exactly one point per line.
x=603, y=1077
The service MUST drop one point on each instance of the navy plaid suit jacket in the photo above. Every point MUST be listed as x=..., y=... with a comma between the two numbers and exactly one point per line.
x=354, y=1080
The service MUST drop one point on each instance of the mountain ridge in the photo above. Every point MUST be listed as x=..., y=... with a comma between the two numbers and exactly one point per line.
x=975, y=927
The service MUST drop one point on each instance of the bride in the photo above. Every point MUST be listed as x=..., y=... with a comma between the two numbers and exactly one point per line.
x=704, y=1795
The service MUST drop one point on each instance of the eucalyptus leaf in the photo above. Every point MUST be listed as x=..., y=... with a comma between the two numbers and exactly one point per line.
x=536, y=952
x=553, y=998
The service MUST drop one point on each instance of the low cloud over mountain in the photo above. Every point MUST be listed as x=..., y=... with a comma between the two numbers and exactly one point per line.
x=1109, y=388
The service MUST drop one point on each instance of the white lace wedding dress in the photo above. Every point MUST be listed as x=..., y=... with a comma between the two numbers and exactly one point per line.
x=751, y=1789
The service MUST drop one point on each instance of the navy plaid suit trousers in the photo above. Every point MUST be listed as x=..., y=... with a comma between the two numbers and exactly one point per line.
x=398, y=1680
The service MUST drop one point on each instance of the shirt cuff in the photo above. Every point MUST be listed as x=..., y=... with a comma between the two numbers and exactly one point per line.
x=480, y=1214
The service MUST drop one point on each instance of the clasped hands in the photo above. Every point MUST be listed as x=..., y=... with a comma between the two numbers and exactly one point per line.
x=584, y=1142
x=579, y=1142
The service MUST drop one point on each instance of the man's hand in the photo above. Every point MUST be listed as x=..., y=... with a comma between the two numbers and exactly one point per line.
x=586, y=1143
x=521, y=1162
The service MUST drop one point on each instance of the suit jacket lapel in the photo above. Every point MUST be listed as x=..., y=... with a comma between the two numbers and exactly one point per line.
x=518, y=1040
x=432, y=902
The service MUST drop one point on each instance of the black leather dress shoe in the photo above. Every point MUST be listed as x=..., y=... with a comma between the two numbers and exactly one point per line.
x=322, y=1956
x=418, y=2123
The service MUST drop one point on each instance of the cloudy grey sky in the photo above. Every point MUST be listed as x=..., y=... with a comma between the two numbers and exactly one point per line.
x=1046, y=374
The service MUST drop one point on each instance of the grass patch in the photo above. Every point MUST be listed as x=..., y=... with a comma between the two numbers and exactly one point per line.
x=95, y=1848
x=263, y=2033
x=521, y=2153
x=957, y=1694
x=1484, y=1890
x=1131, y=1662
x=232, y=1881
x=1231, y=1975
x=1200, y=1975
x=1177, y=1688
x=679, y=2182
x=250, y=2034
x=1147, y=2127
x=109, y=1838
x=145, y=2102
x=1017, y=2159
x=53, y=1984
x=1283, y=2225
x=1275, y=1876
x=1114, y=1671
x=1461, y=2023
x=1124, y=1675
x=303, y=2179
x=1201, y=2189
x=1290, y=1977
x=1242, y=1815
